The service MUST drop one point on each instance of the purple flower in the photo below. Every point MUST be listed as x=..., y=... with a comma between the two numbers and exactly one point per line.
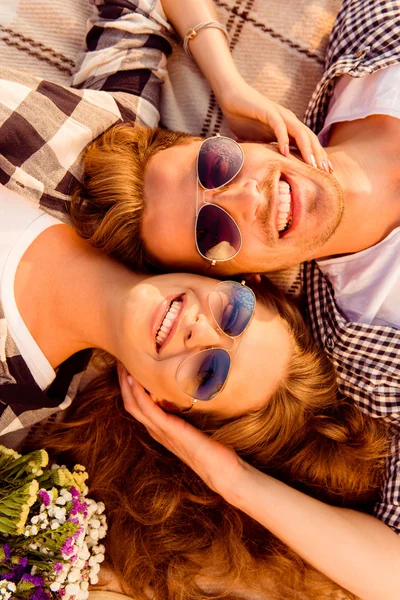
x=57, y=567
x=78, y=507
x=23, y=561
x=78, y=532
x=45, y=497
x=68, y=547
x=7, y=552
x=37, y=580
x=74, y=492
x=40, y=594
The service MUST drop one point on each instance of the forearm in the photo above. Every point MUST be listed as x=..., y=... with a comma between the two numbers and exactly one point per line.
x=355, y=550
x=209, y=48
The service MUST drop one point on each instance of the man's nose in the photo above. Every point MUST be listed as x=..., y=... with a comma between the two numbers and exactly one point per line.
x=241, y=200
x=203, y=332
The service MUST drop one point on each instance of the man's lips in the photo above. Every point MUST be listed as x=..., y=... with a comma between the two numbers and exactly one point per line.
x=296, y=206
x=166, y=320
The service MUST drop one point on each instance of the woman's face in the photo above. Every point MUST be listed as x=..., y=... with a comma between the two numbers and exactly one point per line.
x=259, y=357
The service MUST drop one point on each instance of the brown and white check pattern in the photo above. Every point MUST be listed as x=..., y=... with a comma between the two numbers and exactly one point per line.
x=367, y=357
x=367, y=361
x=44, y=127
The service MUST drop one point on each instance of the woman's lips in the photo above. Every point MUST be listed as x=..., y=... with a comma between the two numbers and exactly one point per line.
x=166, y=320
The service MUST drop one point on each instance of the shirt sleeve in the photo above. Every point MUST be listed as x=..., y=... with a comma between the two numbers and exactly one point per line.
x=388, y=508
x=126, y=49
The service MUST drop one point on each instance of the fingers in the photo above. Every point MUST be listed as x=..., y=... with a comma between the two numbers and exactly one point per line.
x=161, y=426
x=279, y=127
x=308, y=143
x=137, y=401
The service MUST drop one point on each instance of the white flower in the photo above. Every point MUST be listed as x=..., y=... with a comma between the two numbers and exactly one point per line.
x=34, y=530
x=66, y=494
x=35, y=520
x=61, y=501
x=55, y=586
x=60, y=514
x=74, y=575
x=100, y=508
x=93, y=579
x=102, y=532
x=94, y=534
x=11, y=587
x=72, y=589
x=95, y=523
x=54, y=524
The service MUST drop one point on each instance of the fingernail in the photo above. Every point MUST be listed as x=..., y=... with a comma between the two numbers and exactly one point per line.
x=130, y=380
x=330, y=166
x=325, y=166
x=313, y=161
x=286, y=150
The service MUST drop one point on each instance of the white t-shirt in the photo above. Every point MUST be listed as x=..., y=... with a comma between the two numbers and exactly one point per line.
x=21, y=221
x=367, y=283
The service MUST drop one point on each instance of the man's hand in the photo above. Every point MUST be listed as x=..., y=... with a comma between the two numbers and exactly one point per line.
x=218, y=466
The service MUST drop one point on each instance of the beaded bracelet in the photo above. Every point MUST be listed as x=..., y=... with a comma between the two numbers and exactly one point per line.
x=191, y=34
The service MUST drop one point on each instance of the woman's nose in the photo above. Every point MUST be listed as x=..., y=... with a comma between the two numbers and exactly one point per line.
x=202, y=333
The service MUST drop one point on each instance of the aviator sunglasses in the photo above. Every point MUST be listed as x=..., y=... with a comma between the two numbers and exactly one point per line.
x=217, y=235
x=203, y=375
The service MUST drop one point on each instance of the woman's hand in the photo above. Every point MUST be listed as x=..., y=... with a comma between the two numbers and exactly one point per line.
x=251, y=116
x=218, y=466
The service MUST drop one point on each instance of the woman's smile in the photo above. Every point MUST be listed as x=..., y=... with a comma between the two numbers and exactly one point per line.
x=165, y=327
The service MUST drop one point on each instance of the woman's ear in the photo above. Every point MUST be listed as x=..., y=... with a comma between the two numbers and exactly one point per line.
x=155, y=398
x=166, y=404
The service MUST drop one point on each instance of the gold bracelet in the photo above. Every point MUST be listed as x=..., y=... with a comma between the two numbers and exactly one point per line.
x=192, y=33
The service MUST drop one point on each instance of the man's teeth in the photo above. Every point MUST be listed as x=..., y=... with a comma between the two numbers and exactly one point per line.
x=167, y=322
x=284, y=207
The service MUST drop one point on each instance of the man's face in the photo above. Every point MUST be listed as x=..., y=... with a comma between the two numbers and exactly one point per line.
x=257, y=199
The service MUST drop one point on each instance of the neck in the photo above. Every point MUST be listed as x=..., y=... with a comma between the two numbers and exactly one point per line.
x=70, y=295
x=367, y=166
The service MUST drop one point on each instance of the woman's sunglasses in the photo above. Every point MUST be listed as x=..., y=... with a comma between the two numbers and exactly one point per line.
x=203, y=376
x=218, y=237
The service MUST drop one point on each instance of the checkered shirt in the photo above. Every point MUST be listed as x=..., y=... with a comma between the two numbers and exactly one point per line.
x=365, y=38
x=44, y=128
x=367, y=358
x=367, y=361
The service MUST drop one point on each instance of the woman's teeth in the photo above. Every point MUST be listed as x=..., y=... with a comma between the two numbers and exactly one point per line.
x=284, y=213
x=167, y=322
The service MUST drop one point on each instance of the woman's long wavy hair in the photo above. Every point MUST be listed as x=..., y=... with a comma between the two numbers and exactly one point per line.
x=107, y=206
x=169, y=533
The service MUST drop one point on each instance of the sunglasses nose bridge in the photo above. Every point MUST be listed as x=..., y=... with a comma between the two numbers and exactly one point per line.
x=205, y=332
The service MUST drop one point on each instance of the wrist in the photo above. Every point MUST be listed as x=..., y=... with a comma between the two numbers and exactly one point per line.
x=229, y=91
x=235, y=490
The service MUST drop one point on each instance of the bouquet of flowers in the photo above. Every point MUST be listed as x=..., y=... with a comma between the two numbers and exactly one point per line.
x=49, y=529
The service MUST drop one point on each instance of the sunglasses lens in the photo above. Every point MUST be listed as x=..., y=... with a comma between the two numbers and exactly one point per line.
x=232, y=306
x=220, y=160
x=217, y=235
x=203, y=375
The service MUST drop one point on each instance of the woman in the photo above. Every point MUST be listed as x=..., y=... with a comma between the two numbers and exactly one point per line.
x=168, y=533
